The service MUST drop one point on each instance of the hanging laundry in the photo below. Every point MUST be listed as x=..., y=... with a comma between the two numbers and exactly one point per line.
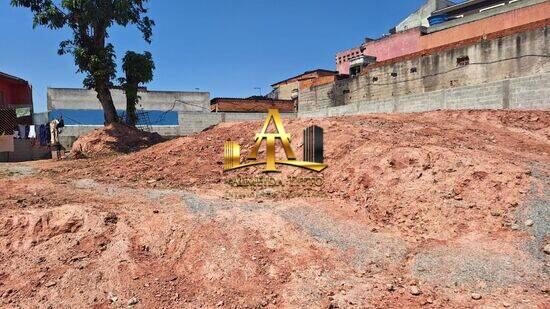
x=48, y=135
x=22, y=131
x=32, y=131
x=42, y=135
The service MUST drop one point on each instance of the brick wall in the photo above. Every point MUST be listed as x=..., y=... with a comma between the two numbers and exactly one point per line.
x=251, y=105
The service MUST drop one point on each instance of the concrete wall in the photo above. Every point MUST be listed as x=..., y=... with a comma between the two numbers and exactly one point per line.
x=285, y=91
x=521, y=54
x=196, y=122
x=189, y=123
x=26, y=150
x=530, y=92
x=81, y=99
x=40, y=118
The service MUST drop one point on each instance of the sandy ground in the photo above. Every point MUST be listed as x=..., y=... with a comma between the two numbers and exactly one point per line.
x=440, y=209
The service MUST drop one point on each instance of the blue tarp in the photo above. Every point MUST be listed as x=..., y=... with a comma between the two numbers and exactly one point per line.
x=95, y=117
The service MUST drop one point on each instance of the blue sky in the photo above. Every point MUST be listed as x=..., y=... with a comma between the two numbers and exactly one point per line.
x=226, y=47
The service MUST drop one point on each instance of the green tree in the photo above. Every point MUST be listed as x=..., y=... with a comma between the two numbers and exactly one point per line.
x=139, y=70
x=89, y=21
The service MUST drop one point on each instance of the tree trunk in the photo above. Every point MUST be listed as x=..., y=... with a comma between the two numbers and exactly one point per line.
x=109, y=110
x=131, y=111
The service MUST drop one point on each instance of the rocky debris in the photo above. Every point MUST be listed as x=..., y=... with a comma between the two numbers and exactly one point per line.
x=476, y=296
x=546, y=249
x=133, y=301
x=529, y=223
x=50, y=284
x=414, y=290
x=110, y=219
x=113, y=298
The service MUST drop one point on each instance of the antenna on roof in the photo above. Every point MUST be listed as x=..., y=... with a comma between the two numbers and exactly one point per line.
x=259, y=89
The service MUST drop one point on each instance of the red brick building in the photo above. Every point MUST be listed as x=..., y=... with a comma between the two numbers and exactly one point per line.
x=15, y=93
x=251, y=105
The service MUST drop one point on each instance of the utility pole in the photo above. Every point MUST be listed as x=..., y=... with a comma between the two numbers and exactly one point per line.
x=259, y=89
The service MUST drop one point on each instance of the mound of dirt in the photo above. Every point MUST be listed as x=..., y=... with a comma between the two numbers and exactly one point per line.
x=443, y=209
x=113, y=139
x=395, y=169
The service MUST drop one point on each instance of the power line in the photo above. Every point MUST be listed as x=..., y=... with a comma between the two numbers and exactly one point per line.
x=457, y=68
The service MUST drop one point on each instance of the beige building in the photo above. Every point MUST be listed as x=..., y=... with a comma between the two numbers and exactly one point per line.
x=289, y=89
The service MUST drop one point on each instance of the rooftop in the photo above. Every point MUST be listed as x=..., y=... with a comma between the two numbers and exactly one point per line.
x=329, y=72
x=13, y=78
x=249, y=99
x=458, y=6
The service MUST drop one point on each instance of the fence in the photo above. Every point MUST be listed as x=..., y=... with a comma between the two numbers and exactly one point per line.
x=10, y=117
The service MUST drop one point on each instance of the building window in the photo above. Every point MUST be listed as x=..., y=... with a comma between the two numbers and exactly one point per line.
x=393, y=74
x=346, y=91
x=374, y=79
x=1, y=98
x=414, y=70
x=462, y=61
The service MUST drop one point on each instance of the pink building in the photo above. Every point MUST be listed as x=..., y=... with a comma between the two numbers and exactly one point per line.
x=389, y=47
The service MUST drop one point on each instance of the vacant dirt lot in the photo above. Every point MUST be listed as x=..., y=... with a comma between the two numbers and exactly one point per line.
x=441, y=209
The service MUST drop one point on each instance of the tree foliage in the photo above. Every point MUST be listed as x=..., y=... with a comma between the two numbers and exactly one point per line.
x=89, y=21
x=138, y=69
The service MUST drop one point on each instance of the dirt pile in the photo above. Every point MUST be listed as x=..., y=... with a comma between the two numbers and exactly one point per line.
x=396, y=170
x=113, y=139
x=444, y=209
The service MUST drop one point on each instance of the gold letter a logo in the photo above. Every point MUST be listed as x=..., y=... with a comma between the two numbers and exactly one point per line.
x=271, y=138
x=232, y=149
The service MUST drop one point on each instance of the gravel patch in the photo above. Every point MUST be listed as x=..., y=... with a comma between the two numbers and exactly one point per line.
x=536, y=211
x=198, y=205
x=86, y=184
x=366, y=247
x=474, y=266
x=8, y=170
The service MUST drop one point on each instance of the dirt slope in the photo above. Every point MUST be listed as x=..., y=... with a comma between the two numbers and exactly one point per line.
x=441, y=209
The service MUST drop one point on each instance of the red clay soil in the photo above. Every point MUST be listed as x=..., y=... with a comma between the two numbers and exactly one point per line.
x=113, y=139
x=444, y=209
